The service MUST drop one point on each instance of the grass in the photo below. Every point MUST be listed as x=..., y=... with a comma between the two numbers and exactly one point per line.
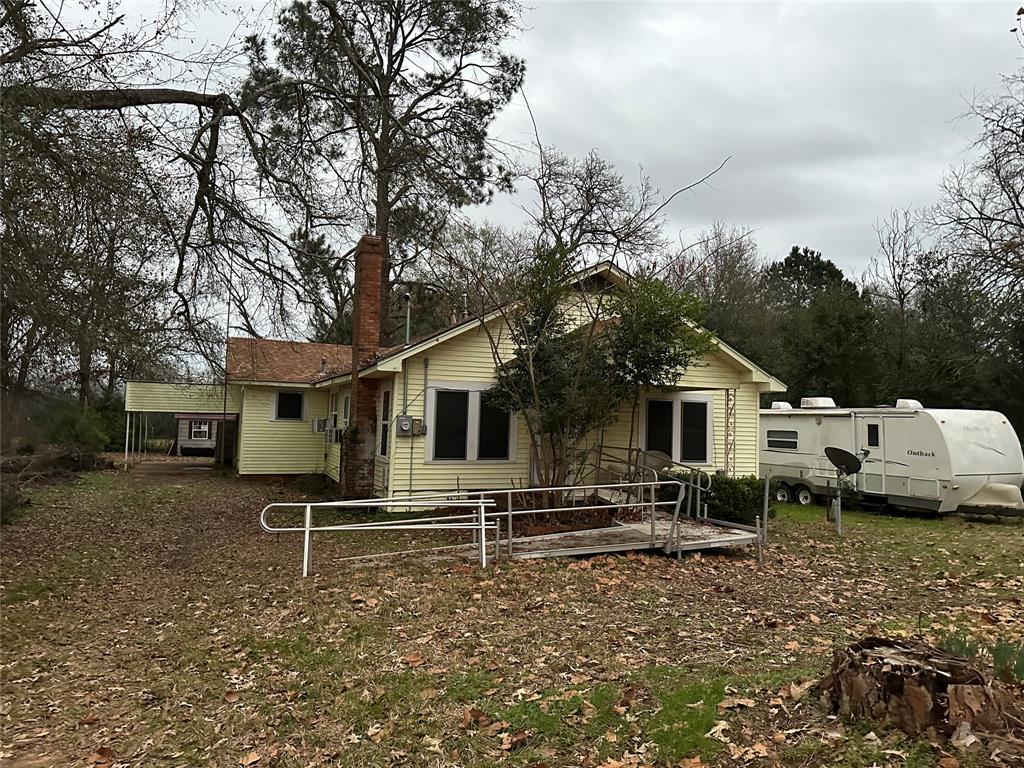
x=154, y=618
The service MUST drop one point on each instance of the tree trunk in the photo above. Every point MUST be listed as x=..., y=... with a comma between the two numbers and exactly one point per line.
x=915, y=687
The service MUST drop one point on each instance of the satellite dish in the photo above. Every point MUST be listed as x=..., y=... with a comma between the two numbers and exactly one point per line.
x=842, y=460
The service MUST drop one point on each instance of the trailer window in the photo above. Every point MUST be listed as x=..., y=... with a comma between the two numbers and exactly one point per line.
x=782, y=438
x=873, y=441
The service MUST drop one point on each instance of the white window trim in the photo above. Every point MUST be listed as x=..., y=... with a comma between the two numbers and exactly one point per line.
x=192, y=429
x=332, y=409
x=381, y=426
x=678, y=398
x=305, y=404
x=475, y=388
x=346, y=408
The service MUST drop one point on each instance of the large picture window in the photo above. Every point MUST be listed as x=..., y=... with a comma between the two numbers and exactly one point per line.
x=695, y=426
x=451, y=419
x=679, y=425
x=463, y=424
x=493, y=434
x=289, y=406
x=659, y=426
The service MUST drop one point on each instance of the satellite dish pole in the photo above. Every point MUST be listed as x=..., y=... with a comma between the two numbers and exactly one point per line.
x=846, y=464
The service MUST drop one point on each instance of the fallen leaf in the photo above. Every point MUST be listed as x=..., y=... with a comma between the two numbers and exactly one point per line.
x=232, y=696
x=251, y=759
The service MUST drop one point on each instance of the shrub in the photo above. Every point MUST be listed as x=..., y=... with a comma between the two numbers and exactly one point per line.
x=734, y=499
x=81, y=428
x=737, y=499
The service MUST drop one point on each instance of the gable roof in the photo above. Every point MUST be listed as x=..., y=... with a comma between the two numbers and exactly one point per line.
x=298, y=362
x=278, y=360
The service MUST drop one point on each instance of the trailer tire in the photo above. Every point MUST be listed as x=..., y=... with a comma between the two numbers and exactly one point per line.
x=804, y=496
x=784, y=494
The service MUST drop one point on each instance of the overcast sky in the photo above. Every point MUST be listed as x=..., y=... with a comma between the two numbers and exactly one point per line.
x=831, y=113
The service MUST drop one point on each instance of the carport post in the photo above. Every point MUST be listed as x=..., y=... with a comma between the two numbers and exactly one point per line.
x=145, y=436
x=127, y=431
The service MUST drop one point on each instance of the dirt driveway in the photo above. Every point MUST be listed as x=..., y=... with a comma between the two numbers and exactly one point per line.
x=148, y=621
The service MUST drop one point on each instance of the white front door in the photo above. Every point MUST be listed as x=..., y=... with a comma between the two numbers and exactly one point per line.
x=871, y=438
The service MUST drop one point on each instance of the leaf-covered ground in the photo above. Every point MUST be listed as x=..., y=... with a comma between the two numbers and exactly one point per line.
x=147, y=621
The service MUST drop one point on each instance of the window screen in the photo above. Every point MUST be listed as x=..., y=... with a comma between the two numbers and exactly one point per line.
x=451, y=417
x=659, y=426
x=695, y=432
x=494, y=428
x=873, y=441
x=289, y=405
x=200, y=430
x=782, y=438
x=385, y=421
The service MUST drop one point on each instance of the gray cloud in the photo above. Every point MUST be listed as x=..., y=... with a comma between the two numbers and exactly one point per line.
x=831, y=113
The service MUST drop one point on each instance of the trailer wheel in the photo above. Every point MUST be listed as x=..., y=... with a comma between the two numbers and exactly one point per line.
x=804, y=497
x=783, y=494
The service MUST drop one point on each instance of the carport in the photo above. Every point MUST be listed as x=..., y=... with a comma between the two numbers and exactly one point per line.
x=209, y=402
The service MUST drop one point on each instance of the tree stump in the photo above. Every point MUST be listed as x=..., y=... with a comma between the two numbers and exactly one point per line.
x=916, y=687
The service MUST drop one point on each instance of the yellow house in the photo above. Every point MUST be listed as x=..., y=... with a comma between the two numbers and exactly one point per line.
x=410, y=419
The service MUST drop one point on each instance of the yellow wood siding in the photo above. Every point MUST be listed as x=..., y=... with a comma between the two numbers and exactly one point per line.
x=465, y=358
x=159, y=397
x=272, y=446
x=712, y=377
x=333, y=451
x=468, y=358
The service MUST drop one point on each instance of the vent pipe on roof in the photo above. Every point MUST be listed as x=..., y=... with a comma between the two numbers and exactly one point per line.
x=323, y=364
x=465, y=305
x=408, y=316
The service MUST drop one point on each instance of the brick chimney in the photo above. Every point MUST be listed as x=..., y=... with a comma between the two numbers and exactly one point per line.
x=358, y=453
x=366, y=302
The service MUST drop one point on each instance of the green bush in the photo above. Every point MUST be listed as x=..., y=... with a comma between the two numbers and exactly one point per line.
x=734, y=499
x=81, y=428
x=737, y=499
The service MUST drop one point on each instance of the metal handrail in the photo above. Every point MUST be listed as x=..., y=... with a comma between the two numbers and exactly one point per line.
x=484, y=518
x=477, y=522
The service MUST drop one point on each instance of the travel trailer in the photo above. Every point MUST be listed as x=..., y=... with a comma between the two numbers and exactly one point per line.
x=920, y=458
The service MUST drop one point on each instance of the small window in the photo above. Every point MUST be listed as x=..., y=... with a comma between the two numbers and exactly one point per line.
x=493, y=433
x=659, y=426
x=289, y=406
x=345, y=402
x=199, y=430
x=695, y=432
x=873, y=441
x=385, y=421
x=782, y=438
x=451, y=419
x=332, y=409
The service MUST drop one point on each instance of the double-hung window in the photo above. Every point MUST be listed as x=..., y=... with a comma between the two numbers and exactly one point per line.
x=332, y=409
x=289, y=406
x=464, y=424
x=679, y=426
x=199, y=430
x=384, y=423
x=346, y=402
